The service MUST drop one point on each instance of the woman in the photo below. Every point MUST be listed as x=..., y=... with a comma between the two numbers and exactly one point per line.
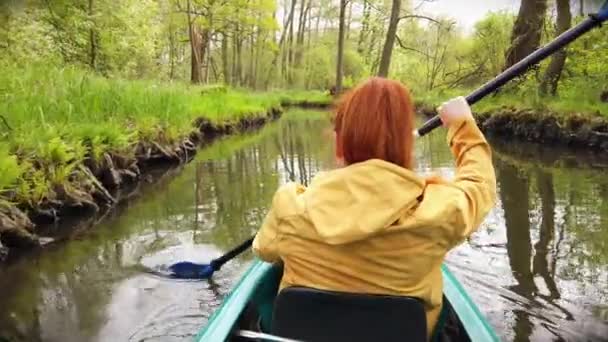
x=373, y=225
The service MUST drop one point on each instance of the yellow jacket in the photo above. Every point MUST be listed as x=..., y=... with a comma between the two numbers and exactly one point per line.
x=374, y=227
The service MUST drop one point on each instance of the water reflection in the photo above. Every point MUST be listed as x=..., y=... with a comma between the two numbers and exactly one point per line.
x=538, y=267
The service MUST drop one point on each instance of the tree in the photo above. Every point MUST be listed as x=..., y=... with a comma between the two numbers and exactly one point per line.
x=553, y=73
x=195, y=47
x=286, y=26
x=340, y=58
x=526, y=34
x=387, y=51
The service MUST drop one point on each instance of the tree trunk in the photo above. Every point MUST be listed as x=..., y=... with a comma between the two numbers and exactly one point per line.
x=250, y=77
x=206, y=53
x=301, y=24
x=239, y=56
x=256, y=64
x=233, y=68
x=526, y=34
x=172, y=46
x=195, y=49
x=281, y=41
x=339, y=69
x=225, y=58
x=290, y=56
x=92, y=39
x=387, y=51
x=309, y=38
x=213, y=68
x=364, y=28
x=350, y=18
x=554, y=70
x=301, y=32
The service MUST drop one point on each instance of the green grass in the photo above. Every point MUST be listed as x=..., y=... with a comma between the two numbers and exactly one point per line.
x=294, y=97
x=54, y=116
x=573, y=99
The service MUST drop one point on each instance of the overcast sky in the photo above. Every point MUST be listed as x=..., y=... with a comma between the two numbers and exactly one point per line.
x=466, y=13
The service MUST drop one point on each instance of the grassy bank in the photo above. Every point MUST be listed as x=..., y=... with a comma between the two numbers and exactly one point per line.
x=577, y=118
x=305, y=98
x=572, y=100
x=67, y=136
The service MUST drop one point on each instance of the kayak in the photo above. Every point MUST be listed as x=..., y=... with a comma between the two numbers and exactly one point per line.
x=246, y=312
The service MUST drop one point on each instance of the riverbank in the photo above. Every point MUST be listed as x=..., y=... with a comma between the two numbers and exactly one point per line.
x=575, y=122
x=70, y=140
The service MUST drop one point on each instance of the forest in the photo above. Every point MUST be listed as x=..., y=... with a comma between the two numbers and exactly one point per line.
x=90, y=90
x=269, y=44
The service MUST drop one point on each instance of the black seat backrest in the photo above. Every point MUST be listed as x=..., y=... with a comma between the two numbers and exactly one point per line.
x=312, y=315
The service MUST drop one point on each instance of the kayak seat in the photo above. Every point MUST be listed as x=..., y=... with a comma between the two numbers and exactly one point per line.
x=313, y=315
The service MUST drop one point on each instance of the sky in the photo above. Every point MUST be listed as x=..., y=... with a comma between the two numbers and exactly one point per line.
x=466, y=13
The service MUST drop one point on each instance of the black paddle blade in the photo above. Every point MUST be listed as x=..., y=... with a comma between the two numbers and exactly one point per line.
x=191, y=270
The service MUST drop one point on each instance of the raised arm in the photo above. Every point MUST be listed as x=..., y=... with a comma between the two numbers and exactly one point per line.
x=472, y=193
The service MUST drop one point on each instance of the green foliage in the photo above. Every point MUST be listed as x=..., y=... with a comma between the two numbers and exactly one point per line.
x=294, y=97
x=58, y=115
x=491, y=40
x=579, y=99
x=10, y=170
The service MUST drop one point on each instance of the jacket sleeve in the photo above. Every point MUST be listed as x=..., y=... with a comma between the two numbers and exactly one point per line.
x=266, y=242
x=267, y=238
x=472, y=193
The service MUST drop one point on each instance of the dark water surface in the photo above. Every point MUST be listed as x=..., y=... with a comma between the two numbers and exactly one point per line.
x=537, y=268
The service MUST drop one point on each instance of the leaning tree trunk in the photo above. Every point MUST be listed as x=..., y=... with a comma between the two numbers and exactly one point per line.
x=281, y=43
x=526, y=34
x=339, y=69
x=387, y=51
x=554, y=71
x=195, y=49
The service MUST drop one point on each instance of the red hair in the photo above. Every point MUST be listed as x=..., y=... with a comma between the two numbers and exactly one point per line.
x=376, y=121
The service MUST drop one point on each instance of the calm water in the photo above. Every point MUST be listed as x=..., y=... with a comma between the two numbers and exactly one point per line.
x=537, y=268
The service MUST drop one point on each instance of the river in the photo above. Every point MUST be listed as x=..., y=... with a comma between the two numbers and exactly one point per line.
x=537, y=268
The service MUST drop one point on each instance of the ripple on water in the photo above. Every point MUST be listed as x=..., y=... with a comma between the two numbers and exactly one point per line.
x=148, y=307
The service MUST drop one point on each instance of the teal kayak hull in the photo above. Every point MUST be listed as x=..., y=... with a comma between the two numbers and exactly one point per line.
x=258, y=285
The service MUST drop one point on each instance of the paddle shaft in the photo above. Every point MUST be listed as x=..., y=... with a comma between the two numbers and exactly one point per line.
x=219, y=262
x=523, y=65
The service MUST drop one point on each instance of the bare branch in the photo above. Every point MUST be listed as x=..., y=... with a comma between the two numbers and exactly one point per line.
x=417, y=7
x=400, y=42
x=407, y=16
x=416, y=16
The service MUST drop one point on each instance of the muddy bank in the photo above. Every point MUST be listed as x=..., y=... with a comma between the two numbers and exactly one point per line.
x=567, y=130
x=305, y=104
x=96, y=185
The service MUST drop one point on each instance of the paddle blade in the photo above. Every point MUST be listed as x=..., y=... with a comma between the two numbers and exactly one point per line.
x=191, y=270
x=603, y=13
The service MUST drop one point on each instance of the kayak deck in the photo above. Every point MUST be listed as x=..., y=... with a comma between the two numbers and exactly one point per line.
x=257, y=288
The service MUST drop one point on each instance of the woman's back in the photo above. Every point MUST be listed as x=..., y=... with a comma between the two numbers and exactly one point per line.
x=374, y=226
